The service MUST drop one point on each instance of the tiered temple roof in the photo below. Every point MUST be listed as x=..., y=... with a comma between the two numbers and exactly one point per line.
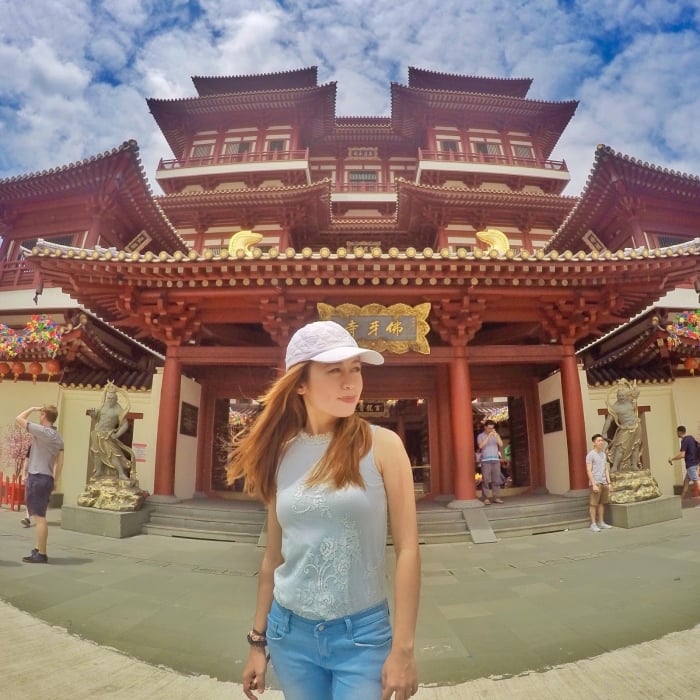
x=620, y=189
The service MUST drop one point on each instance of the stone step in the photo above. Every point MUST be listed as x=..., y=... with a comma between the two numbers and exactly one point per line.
x=197, y=523
x=223, y=514
x=542, y=528
x=200, y=534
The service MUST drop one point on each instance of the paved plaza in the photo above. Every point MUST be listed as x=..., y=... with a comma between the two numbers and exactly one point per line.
x=573, y=614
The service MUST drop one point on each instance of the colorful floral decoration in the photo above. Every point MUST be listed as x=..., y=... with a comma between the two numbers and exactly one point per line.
x=240, y=419
x=687, y=325
x=39, y=331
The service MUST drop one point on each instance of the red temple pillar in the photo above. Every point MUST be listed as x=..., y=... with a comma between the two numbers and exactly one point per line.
x=462, y=433
x=573, y=420
x=166, y=446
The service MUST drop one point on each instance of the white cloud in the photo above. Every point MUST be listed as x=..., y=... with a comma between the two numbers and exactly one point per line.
x=80, y=71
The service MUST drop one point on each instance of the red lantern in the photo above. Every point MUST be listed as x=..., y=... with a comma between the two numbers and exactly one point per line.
x=17, y=369
x=4, y=369
x=691, y=364
x=53, y=367
x=35, y=370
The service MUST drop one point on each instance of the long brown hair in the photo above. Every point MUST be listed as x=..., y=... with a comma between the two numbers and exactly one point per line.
x=256, y=452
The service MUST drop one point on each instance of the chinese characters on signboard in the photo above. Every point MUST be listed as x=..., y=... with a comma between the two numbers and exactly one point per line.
x=397, y=328
x=373, y=408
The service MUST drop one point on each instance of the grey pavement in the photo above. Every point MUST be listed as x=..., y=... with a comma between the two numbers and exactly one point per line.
x=573, y=614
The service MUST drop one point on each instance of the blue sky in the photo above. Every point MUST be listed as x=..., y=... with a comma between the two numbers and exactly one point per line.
x=76, y=73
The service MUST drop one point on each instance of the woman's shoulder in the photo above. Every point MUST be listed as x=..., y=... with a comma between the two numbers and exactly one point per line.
x=384, y=437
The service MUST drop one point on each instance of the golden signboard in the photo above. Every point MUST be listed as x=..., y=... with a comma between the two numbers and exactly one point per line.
x=397, y=328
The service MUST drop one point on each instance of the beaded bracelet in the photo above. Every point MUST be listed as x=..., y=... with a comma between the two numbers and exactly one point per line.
x=256, y=639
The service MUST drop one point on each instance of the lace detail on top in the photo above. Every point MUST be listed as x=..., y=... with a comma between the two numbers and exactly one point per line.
x=333, y=540
x=321, y=438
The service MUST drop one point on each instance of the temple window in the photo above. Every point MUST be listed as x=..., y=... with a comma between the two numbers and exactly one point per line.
x=449, y=145
x=361, y=179
x=663, y=240
x=275, y=145
x=522, y=150
x=487, y=148
x=202, y=150
x=236, y=147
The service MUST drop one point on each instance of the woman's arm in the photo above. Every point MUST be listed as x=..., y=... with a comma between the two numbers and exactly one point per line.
x=255, y=667
x=399, y=673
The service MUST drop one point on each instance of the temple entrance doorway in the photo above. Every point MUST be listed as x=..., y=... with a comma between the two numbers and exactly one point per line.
x=407, y=417
x=509, y=414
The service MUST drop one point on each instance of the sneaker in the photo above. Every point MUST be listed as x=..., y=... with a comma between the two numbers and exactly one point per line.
x=26, y=522
x=594, y=527
x=498, y=500
x=604, y=526
x=487, y=502
x=36, y=558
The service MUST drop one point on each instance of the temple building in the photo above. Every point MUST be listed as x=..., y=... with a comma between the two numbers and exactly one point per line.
x=439, y=235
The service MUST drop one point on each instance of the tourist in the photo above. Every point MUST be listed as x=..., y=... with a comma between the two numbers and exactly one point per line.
x=688, y=453
x=328, y=479
x=43, y=469
x=490, y=444
x=598, y=472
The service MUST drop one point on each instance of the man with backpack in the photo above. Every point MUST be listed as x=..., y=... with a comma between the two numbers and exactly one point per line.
x=689, y=452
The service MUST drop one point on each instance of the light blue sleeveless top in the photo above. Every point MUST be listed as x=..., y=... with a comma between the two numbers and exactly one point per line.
x=333, y=541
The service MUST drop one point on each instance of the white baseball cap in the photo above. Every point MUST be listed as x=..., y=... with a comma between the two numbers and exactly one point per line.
x=328, y=342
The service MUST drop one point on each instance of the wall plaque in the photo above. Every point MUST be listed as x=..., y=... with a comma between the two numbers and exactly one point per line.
x=189, y=415
x=551, y=416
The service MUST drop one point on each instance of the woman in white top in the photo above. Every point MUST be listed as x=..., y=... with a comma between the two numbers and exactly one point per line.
x=329, y=479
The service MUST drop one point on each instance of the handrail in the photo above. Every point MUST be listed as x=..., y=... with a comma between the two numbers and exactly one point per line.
x=15, y=274
x=234, y=159
x=364, y=187
x=485, y=158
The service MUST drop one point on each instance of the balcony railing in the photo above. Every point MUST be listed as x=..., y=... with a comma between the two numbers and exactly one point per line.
x=15, y=274
x=364, y=187
x=487, y=159
x=235, y=159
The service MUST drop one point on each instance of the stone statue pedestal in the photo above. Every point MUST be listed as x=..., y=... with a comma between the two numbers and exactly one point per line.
x=633, y=486
x=106, y=523
x=112, y=493
x=656, y=510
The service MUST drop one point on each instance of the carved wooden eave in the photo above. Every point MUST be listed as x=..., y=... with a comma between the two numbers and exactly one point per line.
x=281, y=80
x=113, y=183
x=433, y=80
x=179, y=298
x=643, y=346
x=419, y=205
x=544, y=119
x=178, y=118
x=620, y=189
x=251, y=206
x=91, y=352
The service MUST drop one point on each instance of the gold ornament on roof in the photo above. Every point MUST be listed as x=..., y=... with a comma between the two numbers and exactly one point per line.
x=497, y=240
x=244, y=241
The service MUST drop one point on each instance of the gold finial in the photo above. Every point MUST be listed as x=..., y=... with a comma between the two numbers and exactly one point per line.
x=496, y=239
x=243, y=241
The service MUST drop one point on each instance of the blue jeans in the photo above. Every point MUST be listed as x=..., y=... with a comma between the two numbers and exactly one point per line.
x=337, y=659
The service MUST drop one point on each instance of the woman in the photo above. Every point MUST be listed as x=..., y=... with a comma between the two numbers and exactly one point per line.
x=328, y=478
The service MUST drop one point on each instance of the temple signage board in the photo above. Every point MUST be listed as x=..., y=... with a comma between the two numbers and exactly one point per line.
x=373, y=409
x=397, y=328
